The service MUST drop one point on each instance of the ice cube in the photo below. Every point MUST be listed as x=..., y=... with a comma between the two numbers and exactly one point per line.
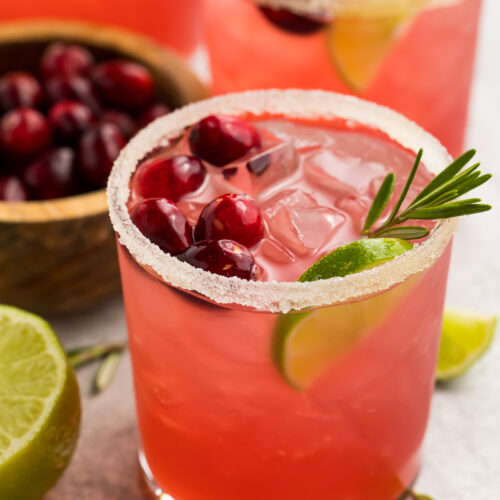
x=342, y=174
x=297, y=221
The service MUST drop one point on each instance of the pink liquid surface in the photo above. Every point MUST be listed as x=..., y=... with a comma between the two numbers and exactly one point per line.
x=426, y=74
x=218, y=421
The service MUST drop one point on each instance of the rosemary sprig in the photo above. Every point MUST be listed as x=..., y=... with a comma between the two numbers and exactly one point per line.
x=438, y=200
x=83, y=355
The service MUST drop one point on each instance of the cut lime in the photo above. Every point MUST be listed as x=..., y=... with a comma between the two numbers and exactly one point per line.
x=356, y=257
x=466, y=337
x=39, y=406
x=306, y=344
x=358, y=46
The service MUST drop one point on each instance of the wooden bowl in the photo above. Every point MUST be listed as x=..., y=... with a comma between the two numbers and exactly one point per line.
x=60, y=255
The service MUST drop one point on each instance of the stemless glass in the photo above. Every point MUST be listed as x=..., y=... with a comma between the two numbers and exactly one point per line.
x=218, y=418
x=415, y=56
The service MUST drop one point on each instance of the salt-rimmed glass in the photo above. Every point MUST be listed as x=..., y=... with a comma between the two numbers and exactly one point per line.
x=415, y=56
x=217, y=418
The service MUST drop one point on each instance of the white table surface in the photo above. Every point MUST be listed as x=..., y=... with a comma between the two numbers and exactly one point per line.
x=462, y=448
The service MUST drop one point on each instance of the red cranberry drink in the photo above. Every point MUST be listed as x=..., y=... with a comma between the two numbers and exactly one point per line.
x=277, y=353
x=416, y=56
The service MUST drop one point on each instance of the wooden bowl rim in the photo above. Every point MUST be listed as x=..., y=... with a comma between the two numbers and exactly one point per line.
x=109, y=37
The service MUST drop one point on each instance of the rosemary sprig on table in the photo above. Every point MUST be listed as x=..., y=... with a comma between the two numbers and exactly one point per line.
x=438, y=200
x=108, y=354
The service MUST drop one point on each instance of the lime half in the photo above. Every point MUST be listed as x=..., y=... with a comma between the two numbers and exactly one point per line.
x=466, y=337
x=39, y=406
x=306, y=344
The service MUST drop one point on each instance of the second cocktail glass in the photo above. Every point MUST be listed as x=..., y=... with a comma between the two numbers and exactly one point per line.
x=415, y=56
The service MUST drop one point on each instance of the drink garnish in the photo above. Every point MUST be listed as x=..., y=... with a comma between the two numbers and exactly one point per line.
x=106, y=371
x=438, y=200
x=39, y=406
x=465, y=338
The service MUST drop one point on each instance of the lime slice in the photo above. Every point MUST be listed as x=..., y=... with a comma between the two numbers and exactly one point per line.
x=358, y=46
x=355, y=257
x=306, y=344
x=39, y=406
x=466, y=337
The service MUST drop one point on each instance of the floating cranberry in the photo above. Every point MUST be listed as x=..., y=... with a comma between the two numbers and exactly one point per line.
x=97, y=150
x=225, y=257
x=122, y=120
x=19, y=90
x=63, y=59
x=221, y=139
x=24, y=133
x=124, y=84
x=73, y=88
x=171, y=178
x=153, y=112
x=294, y=23
x=163, y=223
x=12, y=189
x=233, y=217
x=69, y=119
x=53, y=175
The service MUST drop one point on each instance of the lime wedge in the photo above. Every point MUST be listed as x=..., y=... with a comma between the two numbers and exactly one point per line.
x=307, y=344
x=39, y=406
x=466, y=337
x=356, y=257
x=358, y=46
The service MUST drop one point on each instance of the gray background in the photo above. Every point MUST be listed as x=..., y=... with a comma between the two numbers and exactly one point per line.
x=462, y=448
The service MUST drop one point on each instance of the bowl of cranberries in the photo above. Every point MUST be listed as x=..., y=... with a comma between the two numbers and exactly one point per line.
x=71, y=96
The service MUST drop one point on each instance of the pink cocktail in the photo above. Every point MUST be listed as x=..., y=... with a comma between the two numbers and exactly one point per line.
x=225, y=409
x=415, y=56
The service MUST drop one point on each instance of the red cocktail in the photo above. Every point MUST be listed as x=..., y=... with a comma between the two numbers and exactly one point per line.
x=266, y=387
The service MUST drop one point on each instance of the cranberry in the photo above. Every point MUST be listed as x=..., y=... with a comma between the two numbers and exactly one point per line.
x=62, y=59
x=124, y=84
x=53, y=175
x=153, y=112
x=259, y=164
x=19, y=90
x=221, y=139
x=69, y=119
x=97, y=150
x=24, y=132
x=73, y=88
x=168, y=178
x=122, y=120
x=12, y=189
x=294, y=23
x=163, y=223
x=224, y=257
x=231, y=216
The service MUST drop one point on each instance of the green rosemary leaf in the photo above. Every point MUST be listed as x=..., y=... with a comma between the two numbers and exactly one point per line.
x=82, y=355
x=402, y=232
x=455, y=209
x=106, y=371
x=451, y=184
x=406, y=187
x=449, y=172
x=473, y=184
x=444, y=198
x=380, y=202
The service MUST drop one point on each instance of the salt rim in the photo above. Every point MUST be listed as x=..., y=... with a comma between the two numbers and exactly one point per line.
x=356, y=8
x=274, y=296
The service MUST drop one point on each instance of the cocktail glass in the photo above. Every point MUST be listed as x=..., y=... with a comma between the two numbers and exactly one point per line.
x=225, y=412
x=415, y=56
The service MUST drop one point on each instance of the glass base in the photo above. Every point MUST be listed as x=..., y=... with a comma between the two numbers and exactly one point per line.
x=154, y=489
x=157, y=492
